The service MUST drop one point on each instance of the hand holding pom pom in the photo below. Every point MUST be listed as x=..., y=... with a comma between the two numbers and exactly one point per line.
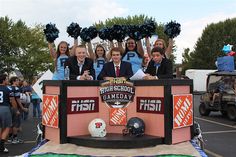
x=73, y=30
x=51, y=32
x=172, y=29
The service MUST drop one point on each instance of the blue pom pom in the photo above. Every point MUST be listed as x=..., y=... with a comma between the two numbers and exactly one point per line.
x=51, y=32
x=172, y=29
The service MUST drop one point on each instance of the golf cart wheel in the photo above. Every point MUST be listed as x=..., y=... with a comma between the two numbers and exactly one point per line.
x=203, y=110
x=231, y=112
x=224, y=113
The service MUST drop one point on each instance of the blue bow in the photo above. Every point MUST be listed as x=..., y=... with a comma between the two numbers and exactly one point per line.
x=157, y=64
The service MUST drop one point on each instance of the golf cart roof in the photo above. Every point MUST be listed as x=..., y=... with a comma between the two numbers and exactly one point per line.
x=223, y=73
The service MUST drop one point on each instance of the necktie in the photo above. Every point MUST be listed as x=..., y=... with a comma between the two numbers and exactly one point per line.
x=117, y=71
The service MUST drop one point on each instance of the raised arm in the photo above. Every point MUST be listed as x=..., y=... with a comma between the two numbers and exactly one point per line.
x=121, y=47
x=108, y=55
x=148, y=46
x=140, y=48
x=90, y=51
x=169, y=49
x=72, y=51
x=52, y=50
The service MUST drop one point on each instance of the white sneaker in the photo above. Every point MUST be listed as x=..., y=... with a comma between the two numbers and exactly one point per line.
x=4, y=151
x=16, y=141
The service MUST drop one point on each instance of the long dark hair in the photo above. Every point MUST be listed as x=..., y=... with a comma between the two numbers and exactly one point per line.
x=104, y=54
x=127, y=50
x=59, y=53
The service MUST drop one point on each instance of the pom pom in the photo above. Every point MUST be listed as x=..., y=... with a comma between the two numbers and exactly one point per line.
x=51, y=32
x=134, y=32
x=74, y=30
x=87, y=34
x=118, y=32
x=172, y=29
x=105, y=34
x=148, y=28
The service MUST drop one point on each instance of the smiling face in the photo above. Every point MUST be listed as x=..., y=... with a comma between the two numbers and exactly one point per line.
x=80, y=53
x=100, y=52
x=131, y=44
x=159, y=43
x=116, y=56
x=63, y=48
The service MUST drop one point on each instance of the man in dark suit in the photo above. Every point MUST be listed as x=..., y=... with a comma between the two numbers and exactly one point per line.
x=81, y=67
x=116, y=68
x=159, y=67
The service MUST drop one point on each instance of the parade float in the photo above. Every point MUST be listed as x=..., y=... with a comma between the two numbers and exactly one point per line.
x=118, y=117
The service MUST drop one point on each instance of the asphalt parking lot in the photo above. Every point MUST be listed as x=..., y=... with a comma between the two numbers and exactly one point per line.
x=219, y=132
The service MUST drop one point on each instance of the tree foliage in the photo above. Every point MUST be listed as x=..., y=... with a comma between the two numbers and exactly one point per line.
x=209, y=45
x=23, y=48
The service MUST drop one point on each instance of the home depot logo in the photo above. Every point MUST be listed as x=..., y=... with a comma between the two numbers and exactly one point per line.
x=50, y=111
x=182, y=110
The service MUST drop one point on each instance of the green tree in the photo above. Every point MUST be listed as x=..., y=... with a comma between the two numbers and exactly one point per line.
x=23, y=48
x=209, y=45
x=135, y=20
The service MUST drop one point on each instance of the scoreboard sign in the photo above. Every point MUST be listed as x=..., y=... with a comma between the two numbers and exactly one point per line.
x=50, y=111
x=182, y=110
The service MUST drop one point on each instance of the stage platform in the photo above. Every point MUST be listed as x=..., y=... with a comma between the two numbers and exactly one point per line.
x=116, y=141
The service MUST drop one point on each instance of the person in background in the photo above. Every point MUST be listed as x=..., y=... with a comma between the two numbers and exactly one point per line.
x=159, y=67
x=5, y=112
x=81, y=67
x=16, y=112
x=35, y=99
x=26, y=90
x=116, y=68
x=145, y=62
x=162, y=44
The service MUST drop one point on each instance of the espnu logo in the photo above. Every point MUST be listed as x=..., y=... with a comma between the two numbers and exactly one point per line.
x=82, y=105
x=150, y=105
x=117, y=93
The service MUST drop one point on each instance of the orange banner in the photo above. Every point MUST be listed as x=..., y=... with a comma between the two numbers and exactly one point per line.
x=118, y=116
x=182, y=110
x=50, y=111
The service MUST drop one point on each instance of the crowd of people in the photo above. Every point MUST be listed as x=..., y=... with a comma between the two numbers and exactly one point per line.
x=86, y=63
x=15, y=98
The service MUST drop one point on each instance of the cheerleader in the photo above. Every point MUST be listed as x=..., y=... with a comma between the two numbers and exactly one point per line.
x=133, y=53
x=98, y=56
x=59, y=56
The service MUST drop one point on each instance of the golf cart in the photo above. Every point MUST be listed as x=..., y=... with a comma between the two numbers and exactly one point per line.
x=224, y=99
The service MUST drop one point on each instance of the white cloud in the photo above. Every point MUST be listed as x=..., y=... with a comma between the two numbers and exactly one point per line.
x=62, y=13
x=192, y=30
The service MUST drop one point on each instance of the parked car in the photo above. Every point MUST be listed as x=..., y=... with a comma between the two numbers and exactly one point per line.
x=220, y=94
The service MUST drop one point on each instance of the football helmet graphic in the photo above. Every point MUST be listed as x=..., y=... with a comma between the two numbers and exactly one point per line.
x=97, y=128
x=134, y=127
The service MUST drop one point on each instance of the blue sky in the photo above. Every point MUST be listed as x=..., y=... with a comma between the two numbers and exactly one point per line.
x=193, y=15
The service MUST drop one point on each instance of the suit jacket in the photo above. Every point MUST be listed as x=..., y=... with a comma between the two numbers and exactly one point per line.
x=72, y=63
x=164, y=70
x=108, y=70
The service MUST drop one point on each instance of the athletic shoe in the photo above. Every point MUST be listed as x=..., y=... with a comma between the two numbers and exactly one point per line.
x=5, y=150
x=17, y=141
